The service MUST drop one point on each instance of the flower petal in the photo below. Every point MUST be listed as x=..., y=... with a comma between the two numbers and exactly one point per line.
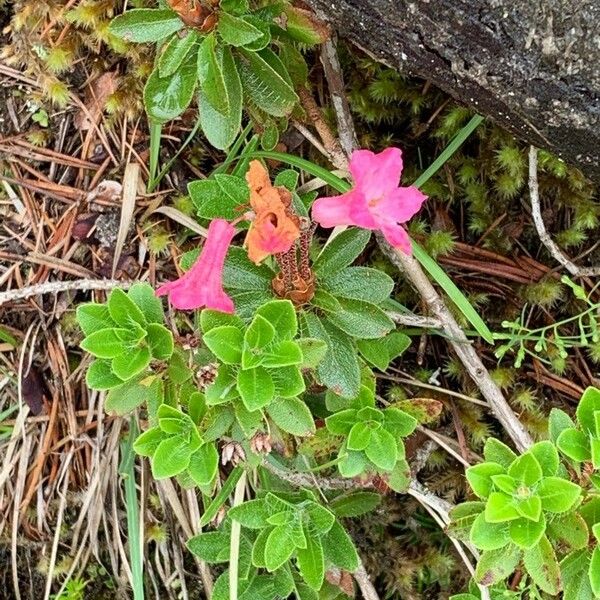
x=400, y=204
x=202, y=284
x=332, y=211
x=376, y=174
x=396, y=235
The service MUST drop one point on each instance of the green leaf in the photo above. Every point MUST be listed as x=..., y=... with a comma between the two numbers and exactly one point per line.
x=594, y=572
x=361, y=283
x=172, y=456
x=278, y=548
x=127, y=397
x=488, y=536
x=263, y=84
x=160, y=340
x=221, y=130
x=568, y=530
x=259, y=333
x=292, y=415
x=282, y=316
x=147, y=443
x=459, y=299
x=236, y=31
x=339, y=370
x=313, y=352
x=212, y=547
x=526, y=469
x=529, y=508
x=145, y=299
x=351, y=463
x=94, y=317
x=209, y=319
x=354, y=504
x=462, y=517
x=398, y=423
x=165, y=98
x=225, y=343
x=341, y=422
x=204, y=464
x=341, y=251
x=145, y=25
x=500, y=508
x=575, y=444
x=107, y=343
x=574, y=573
x=211, y=202
x=361, y=319
x=497, y=452
x=382, y=450
x=223, y=388
x=132, y=363
x=100, y=376
x=505, y=483
x=339, y=548
x=256, y=387
x=258, y=549
x=558, y=495
x=252, y=514
x=284, y=354
x=359, y=436
x=588, y=405
x=288, y=381
x=174, y=53
x=526, y=533
x=547, y=456
x=241, y=274
x=541, y=564
x=234, y=189
x=311, y=562
x=480, y=477
x=400, y=476
x=558, y=421
x=495, y=565
x=210, y=75
x=382, y=351
x=295, y=64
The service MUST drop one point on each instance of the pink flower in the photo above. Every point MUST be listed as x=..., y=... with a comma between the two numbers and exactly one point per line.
x=376, y=201
x=202, y=285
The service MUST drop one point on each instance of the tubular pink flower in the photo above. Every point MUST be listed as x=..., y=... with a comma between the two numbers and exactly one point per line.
x=202, y=285
x=376, y=201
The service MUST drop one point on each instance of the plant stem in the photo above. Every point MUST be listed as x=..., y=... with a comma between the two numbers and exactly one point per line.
x=234, y=546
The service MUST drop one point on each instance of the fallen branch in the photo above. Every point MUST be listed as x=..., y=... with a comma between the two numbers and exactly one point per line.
x=540, y=226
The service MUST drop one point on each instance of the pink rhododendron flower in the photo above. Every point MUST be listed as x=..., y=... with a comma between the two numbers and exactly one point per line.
x=376, y=201
x=202, y=285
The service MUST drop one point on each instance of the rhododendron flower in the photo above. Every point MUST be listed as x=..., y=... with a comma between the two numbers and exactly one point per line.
x=202, y=285
x=275, y=227
x=376, y=201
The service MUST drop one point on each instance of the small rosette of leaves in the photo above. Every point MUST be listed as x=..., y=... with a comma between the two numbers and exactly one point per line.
x=526, y=504
x=225, y=60
x=580, y=442
x=125, y=335
x=261, y=368
x=347, y=313
x=290, y=536
x=372, y=439
x=176, y=447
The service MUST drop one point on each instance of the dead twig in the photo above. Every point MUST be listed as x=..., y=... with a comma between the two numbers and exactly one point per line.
x=55, y=287
x=540, y=226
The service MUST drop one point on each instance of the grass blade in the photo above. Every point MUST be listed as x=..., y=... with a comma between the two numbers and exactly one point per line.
x=134, y=534
x=219, y=500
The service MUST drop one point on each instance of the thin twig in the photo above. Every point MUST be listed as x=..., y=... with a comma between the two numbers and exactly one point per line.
x=540, y=226
x=55, y=287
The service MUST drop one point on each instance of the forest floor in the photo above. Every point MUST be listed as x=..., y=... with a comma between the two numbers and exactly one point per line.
x=63, y=158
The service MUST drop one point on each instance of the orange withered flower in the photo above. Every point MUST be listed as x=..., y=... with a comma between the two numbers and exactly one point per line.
x=275, y=227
